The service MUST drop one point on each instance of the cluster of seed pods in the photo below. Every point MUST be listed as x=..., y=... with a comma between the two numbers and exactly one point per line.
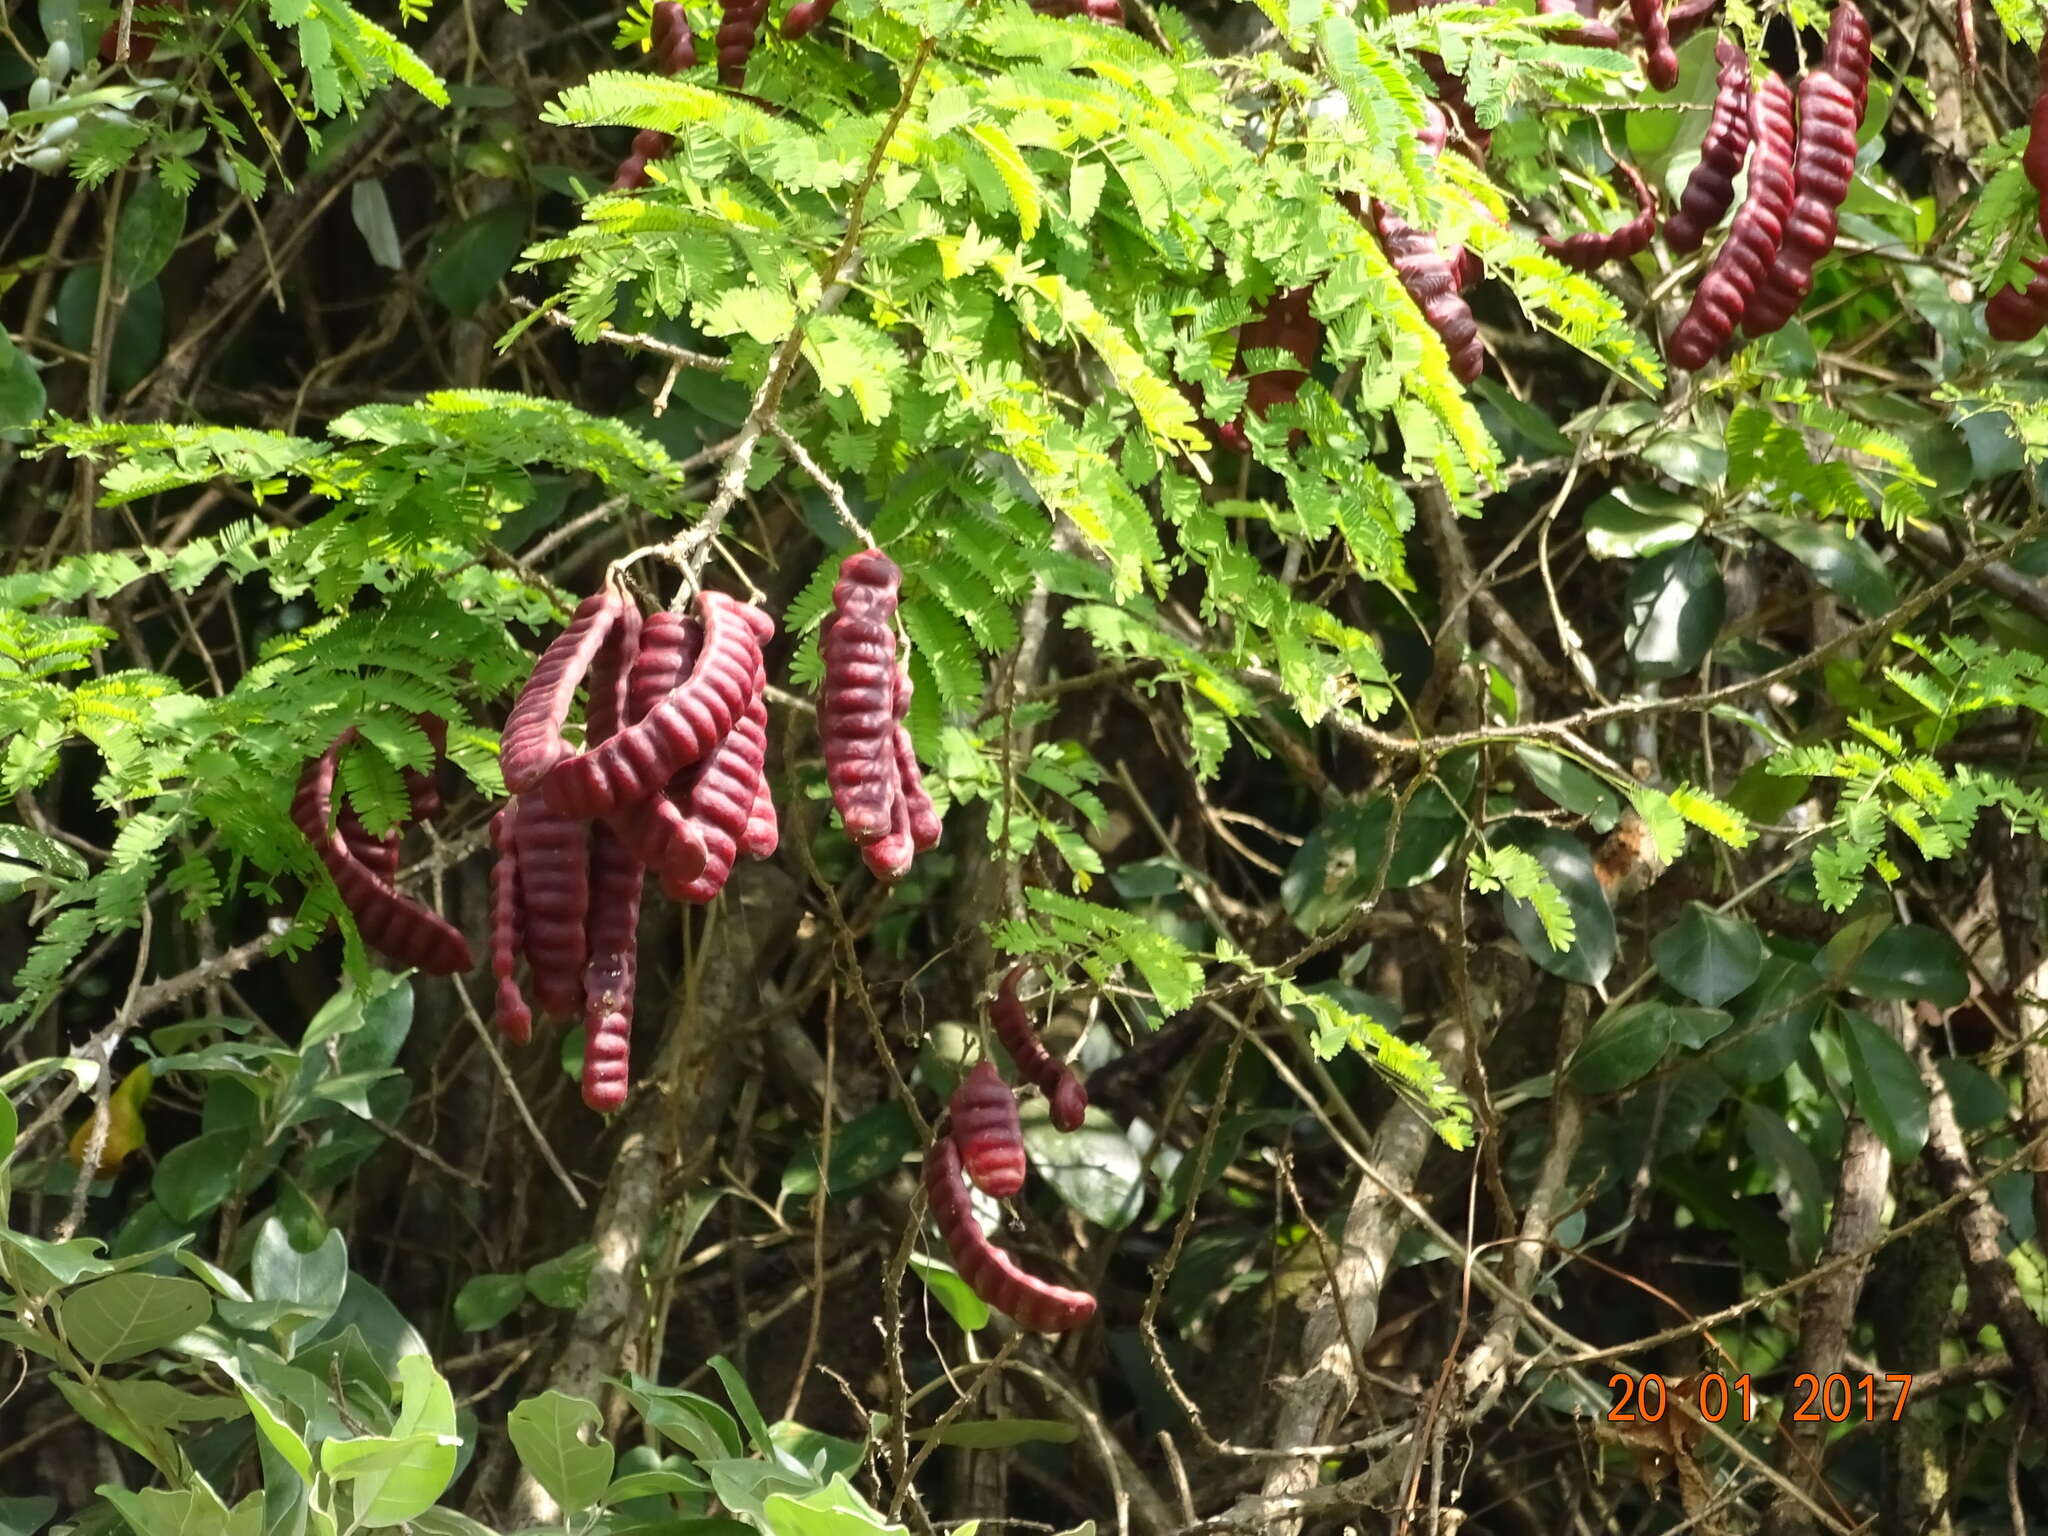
x=365, y=868
x=984, y=1143
x=870, y=767
x=669, y=779
x=672, y=48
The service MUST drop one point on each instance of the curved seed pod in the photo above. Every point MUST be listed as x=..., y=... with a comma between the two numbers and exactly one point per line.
x=1431, y=283
x=655, y=829
x=1752, y=242
x=1034, y=1063
x=1711, y=186
x=379, y=855
x=805, y=16
x=721, y=800
x=919, y=812
x=397, y=925
x=610, y=675
x=672, y=43
x=764, y=828
x=421, y=785
x=1589, y=30
x=739, y=24
x=514, y=1018
x=652, y=144
x=631, y=174
x=681, y=729
x=1822, y=165
x=1687, y=17
x=1847, y=54
x=554, y=886
x=888, y=858
x=2018, y=314
x=983, y=1113
x=616, y=881
x=855, y=700
x=1283, y=325
x=1584, y=252
x=532, y=743
x=989, y=1272
x=1660, y=59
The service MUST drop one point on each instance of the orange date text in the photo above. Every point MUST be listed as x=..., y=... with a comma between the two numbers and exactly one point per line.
x=1832, y=1399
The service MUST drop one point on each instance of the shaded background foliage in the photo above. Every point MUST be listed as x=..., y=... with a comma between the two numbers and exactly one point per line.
x=1659, y=757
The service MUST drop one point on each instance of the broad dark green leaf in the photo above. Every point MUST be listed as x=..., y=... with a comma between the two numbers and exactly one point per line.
x=1889, y=1092
x=1707, y=956
x=1773, y=1019
x=1337, y=865
x=866, y=1148
x=468, y=260
x=1570, y=868
x=1912, y=963
x=123, y=1316
x=135, y=328
x=22, y=398
x=961, y=1304
x=24, y=1517
x=1794, y=1175
x=1567, y=784
x=1638, y=521
x=1622, y=1045
x=547, y=1432
x=151, y=224
x=1676, y=602
x=1095, y=1170
x=487, y=1300
x=195, y=1176
x=563, y=1281
x=1846, y=566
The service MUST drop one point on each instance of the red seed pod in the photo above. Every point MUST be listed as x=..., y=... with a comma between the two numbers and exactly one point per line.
x=921, y=815
x=856, y=699
x=1431, y=283
x=655, y=829
x=1822, y=165
x=616, y=880
x=532, y=743
x=805, y=16
x=554, y=886
x=983, y=1112
x=888, y=858
x=2018, y=314
x=1034, y=1063
x=680, y=730
x=989, y=1272
x=1660, y=59
x=764, y=828
x=739, y=25
x=1687, y=17
x=610, y=674
x=397, y=925
x=669, y=643
x=379, y=855
x=1284, y=325
x=722, y=796
x=672, y=43
x=1711, y=186
x=422, y=788
x=1847, y=54
x=652, y=144
x=508, y=937
x=1588, y=30
x=1752, y=242
x=631, y=174
x=1584, y=252
x=1473, y=141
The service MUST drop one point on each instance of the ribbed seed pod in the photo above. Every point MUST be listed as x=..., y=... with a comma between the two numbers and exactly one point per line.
x=983, y=1114
x=990, y=1273
x=1711, y=186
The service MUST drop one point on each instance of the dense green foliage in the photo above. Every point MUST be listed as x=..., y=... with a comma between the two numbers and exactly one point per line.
x=1543, y=877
